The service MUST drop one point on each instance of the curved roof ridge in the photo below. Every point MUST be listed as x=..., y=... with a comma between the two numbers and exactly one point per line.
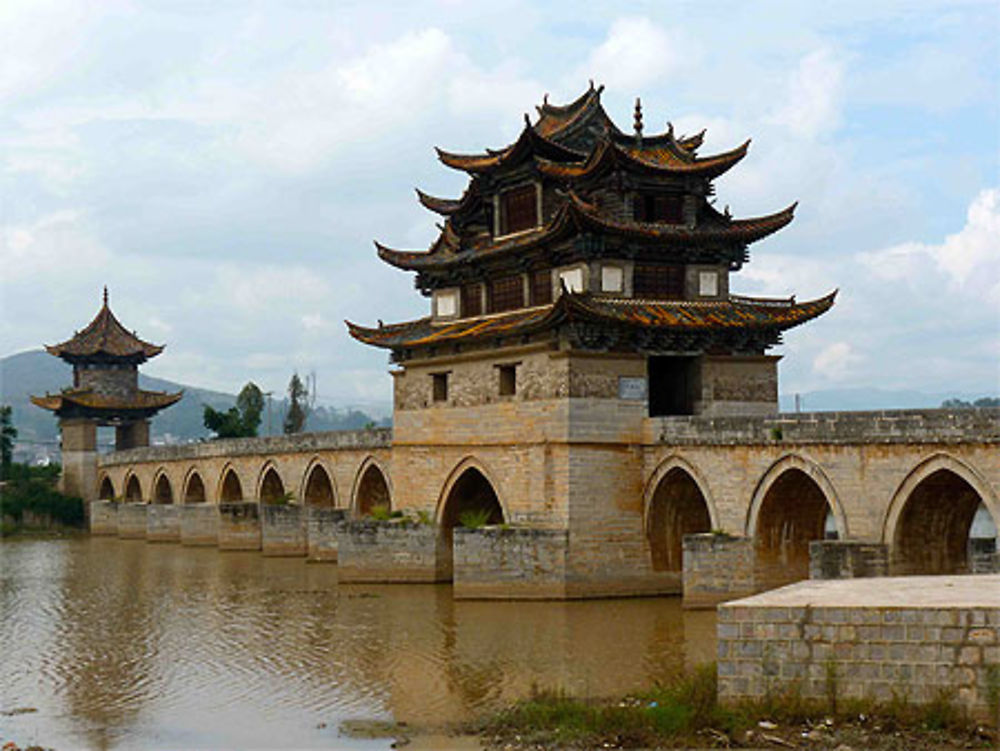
x=106, y=335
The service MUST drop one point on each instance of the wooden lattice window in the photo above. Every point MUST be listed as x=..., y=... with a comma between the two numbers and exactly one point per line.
x=506, y=293
x=472, y=300
x=518, y=209
x=668, y=209
x=657, y=281
x=541, y=287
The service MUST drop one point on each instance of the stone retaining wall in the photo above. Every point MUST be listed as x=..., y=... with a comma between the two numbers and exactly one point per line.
x=239, y=526
x=199, y=524
x=392, y=551
x=163, y=523
x=132, y=521
x=921, y=638
x=497, y=563
x=283, y=530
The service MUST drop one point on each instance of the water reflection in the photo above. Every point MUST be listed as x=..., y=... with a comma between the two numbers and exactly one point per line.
x=121, y=644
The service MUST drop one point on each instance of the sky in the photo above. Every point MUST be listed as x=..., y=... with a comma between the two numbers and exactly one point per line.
x=225, y=166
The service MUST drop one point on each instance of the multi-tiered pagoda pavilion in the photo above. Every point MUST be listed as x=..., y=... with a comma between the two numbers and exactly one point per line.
x=105, y=357
x=590, y=239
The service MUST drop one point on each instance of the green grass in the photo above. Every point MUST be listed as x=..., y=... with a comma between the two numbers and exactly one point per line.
x=474, y=518
x=684, y=710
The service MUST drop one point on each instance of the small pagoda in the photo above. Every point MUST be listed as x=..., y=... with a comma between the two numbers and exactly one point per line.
x=585, y=238
x=105, y=357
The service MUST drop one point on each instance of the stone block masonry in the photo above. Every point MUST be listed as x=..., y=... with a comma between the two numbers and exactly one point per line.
x=132, y=521
x=322, y=525
x=916, y=637
x=163, y=523
x=847, y=559
x=239, y=526
x=499, y=563
x=199, y=525
x=391, y=552
x=717, y=567
x=103, y=518
x=283, y=530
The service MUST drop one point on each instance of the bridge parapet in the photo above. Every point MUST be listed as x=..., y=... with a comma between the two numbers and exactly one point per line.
x=948, y=426
x=272, y=445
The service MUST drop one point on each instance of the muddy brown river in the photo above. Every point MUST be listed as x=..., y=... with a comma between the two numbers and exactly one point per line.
x=126, y=645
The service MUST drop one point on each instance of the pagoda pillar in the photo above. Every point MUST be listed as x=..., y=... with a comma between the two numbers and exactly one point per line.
x=132, y=435
x=79, y=458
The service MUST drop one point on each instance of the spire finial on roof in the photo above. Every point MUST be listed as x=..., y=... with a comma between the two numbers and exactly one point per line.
x=638, y=119
x=105, y=295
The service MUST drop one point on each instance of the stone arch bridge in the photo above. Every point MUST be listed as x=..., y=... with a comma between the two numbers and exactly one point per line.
x=716, y=507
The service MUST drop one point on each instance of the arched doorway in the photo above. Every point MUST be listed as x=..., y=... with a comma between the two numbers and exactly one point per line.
x=373, y=491
x=133, y=493
x=272, y=489
x=471, y=502
x=232, y=490
x=162, y=492
x=677, y=508
x=107, y=491
x=195, y=492
x=793, y=513
x=932, y=534
x=319, y=489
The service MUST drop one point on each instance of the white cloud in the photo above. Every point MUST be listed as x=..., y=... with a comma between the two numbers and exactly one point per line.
x=970, y=258
x=637, y=52
x=57, y=245
x=836, y=362
x=813, y=97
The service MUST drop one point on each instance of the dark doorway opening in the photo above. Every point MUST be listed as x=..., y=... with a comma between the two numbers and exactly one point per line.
x=672, y=385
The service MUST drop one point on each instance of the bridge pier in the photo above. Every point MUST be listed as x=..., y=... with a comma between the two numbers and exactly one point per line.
x=163, y=523
x=239, y=526
x=132, y=521
x=322, y=525
x=716, y=568
x=199, y=524
x=283, y=530
x=104, y=518
x=847, y=559
x=514, y=563
x=392, y=552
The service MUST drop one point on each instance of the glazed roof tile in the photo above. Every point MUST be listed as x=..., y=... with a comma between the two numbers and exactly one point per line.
x=574, y=215
x=677, y=315
x=528, y=143
x=90, y=399
x=105, y=335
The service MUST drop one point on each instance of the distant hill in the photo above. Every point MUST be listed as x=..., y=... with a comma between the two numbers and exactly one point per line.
x=845, y=400
x=36, y=372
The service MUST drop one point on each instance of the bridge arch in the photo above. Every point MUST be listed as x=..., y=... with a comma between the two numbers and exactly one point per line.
x=230, y=485
x=929, y=517
x=789, y=509
x=133, y=489
x=318, y=486
x=106, y=491
x=371, y=488
x=470, y=487
x=163, y=491
x=270, y=486
x=676, y=502
x=193, y=487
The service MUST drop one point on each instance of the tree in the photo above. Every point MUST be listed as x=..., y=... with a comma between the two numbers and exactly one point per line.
x=7, y=435
x=240, y=421
x=295, y=419
x=250, y=402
